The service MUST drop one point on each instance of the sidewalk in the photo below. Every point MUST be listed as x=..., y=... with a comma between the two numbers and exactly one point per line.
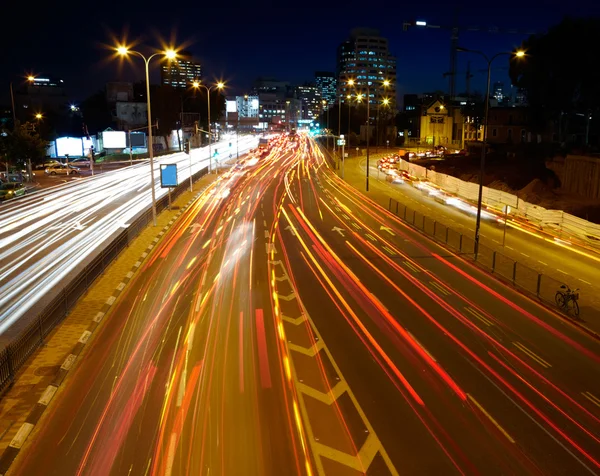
x=38, y=380
x=381, y=191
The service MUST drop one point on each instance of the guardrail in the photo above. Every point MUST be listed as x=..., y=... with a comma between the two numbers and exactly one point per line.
x=542, y=286
x=16, y=353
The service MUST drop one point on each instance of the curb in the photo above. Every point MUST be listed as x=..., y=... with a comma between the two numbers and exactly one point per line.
x=14, y=447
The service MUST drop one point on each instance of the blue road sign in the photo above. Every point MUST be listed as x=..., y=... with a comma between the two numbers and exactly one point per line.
x=168, y=175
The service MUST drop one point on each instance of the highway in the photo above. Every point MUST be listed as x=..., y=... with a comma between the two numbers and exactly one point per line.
x=289, y=325
x=569, y=264
x=47, y=237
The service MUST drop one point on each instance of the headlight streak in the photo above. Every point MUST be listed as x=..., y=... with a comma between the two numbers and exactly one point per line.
x=41, y=241
x=507, y=367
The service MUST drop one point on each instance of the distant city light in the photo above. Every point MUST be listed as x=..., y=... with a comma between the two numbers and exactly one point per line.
x=421, y=23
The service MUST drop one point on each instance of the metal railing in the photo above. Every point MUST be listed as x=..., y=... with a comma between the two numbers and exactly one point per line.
x=16, y=353
x=542, y=286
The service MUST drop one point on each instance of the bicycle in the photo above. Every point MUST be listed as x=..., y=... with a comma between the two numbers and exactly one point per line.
x=567, y=299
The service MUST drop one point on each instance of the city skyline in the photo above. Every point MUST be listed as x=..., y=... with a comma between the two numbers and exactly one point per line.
x=422, y=54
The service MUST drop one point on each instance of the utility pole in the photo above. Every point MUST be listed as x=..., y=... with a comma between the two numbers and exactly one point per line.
x=468, y=79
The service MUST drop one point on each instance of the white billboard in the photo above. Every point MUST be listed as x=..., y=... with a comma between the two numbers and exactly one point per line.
x=231, y=106
x=114, y=140
x=71, y=146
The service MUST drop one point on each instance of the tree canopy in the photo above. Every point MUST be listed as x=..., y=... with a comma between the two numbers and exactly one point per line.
x=23, y=143
x=560, y=72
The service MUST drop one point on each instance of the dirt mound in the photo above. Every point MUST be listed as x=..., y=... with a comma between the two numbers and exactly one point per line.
x=535, y=191
x=500, y=185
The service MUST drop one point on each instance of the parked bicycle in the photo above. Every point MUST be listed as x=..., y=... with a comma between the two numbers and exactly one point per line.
x=567, y=299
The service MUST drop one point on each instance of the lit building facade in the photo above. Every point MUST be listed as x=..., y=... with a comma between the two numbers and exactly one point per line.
x=275, y=110
x=247, y=106
x=499, y=91
x=180, y=73
x=310, y=97
x=365, y=58
x=326, y=83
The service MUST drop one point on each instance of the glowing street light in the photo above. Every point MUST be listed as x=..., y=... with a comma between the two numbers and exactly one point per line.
x=219, y=86
x=170, y=54
x=39, y=116
x=518, y=54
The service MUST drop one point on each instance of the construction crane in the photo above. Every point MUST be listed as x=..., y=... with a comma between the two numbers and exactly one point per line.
x=454, y=35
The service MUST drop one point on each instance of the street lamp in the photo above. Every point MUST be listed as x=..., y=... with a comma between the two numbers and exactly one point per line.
x=220, y=85
x=386, y=83
x=170, y=55
x=359, y=99
x=39, y=116
x=518, y=54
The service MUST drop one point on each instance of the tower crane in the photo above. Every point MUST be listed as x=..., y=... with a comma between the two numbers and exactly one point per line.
x=455, y=30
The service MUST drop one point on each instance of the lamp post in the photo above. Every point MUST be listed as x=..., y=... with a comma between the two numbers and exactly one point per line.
x=386, y=84
x=220, y=85
x=349, y=98
x=324, y=103
x=518, y=54
x=385, y=102
x=12, y=101
x=170, y=55
x=368, y=128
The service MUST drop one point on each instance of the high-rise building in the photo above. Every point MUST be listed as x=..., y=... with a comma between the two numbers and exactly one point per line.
x=247, y=106
x=365, y=58
x=518, y=96
x=310, y=96
x=271, y=86
x=327, y=85
x=181, y=72
x=498, y=91
x=40, y=94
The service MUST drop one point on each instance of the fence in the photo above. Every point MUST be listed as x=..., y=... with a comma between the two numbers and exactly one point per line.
x=556, y=220
x=16, y=353
x=541, y=285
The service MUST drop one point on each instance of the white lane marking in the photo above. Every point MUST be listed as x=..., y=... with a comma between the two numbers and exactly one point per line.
x=527, y=256
x=47, y=395
x=541, y=262
x=584, y=281
x=68, y=362
x=21, y=435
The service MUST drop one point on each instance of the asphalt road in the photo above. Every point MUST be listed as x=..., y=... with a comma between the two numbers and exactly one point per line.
x=562, y=263
x=48, y=236
x=289, y=325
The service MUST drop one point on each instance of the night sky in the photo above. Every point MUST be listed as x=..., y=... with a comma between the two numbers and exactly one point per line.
x=241, y=41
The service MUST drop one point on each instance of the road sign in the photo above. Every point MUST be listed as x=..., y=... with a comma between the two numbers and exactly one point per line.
x=168, y=175
x=341, y=142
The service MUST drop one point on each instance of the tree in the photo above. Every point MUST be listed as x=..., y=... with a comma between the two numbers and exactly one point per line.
x=24, y=143
x=166, y=105
x=560, y=72
x=96, y=112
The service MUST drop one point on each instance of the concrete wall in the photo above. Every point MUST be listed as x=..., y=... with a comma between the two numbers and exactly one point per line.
x=578, y=174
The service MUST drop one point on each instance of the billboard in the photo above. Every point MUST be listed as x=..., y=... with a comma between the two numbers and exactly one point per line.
x=231, y=106
x=114, y=140
x=138, y=139
x=71, y=146
x=168, y=175
x=132, y=113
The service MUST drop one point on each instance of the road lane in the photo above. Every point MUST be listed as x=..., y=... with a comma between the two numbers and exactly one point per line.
x=565, y=399
x=47, y=237
x=162, y=385
x=559, y=262
x=289, y=325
